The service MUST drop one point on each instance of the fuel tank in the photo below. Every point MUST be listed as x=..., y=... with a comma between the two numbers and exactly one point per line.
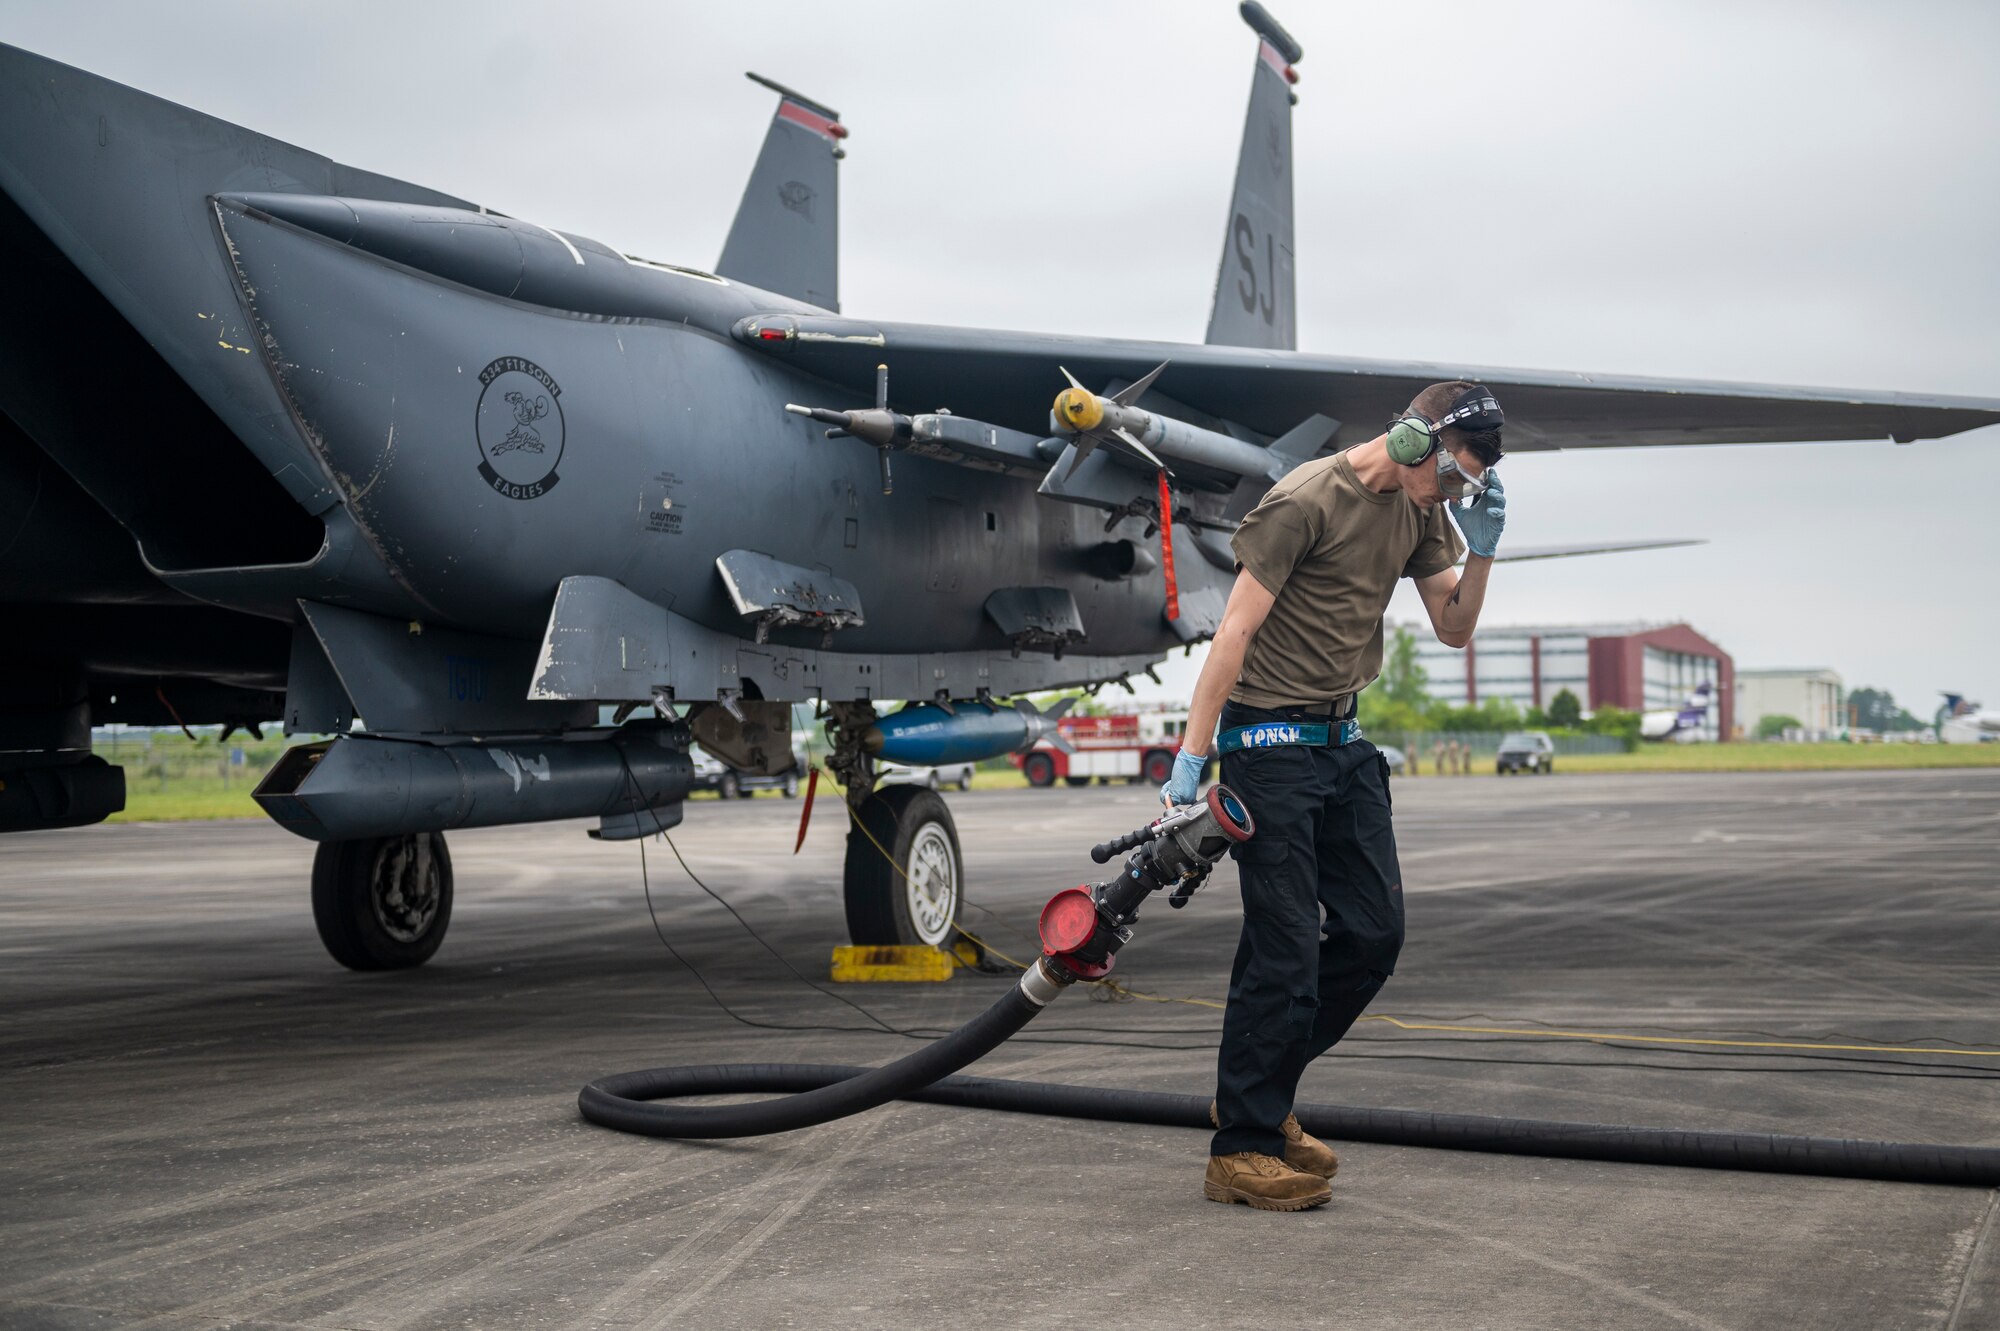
x=366, y=786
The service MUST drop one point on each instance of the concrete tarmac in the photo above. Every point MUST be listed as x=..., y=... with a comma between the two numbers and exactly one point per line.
x=206, y=1123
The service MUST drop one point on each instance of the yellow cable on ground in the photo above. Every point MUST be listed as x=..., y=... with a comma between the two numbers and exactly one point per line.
x=1596, y=1037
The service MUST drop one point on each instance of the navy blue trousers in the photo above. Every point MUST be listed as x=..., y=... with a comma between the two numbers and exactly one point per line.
x=1322, y=919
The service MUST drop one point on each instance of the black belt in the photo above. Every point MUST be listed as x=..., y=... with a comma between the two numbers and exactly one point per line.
x=1340, y=709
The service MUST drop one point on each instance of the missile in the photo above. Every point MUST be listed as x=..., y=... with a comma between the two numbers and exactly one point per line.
x=1089, y=419
x=886, y=430
x=927, y=734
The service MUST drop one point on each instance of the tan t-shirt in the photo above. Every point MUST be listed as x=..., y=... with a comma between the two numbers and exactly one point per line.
x=1330, y=549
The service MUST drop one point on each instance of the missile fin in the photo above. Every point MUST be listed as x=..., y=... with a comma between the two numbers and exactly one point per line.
x=1131, y=441
x=1083, y=443
x=1129, y=394
x=1061, y=708
x=1072, y=379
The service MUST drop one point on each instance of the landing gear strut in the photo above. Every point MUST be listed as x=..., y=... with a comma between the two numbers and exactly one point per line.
x=382, y=903
x=904, y=879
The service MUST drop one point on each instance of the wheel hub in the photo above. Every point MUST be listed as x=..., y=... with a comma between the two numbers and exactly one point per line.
x=932, y=884
x=404, y=890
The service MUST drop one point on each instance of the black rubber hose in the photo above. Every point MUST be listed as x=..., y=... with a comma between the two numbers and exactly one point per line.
x=818, y=1093
x=621, y=1102
x=610, y=1102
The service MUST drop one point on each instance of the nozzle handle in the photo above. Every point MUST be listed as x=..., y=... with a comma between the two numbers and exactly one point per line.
x=1119, y=845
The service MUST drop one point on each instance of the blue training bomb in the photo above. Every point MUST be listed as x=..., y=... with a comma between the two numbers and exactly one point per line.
x=927, y=734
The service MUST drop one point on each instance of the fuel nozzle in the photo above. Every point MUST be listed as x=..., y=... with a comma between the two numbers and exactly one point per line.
x=1082, y=928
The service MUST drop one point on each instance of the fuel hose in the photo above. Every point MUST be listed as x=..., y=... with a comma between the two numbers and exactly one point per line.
x=1081, y=929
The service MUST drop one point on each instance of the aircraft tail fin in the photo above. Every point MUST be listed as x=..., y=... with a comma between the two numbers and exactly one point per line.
x=1694, y=708
x=786, y=234
x=1254, y=304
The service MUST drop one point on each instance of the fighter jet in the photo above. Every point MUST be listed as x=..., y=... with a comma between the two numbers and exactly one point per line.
x=283, y=441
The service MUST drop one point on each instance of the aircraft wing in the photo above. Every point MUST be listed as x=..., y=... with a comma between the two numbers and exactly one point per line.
x=1514, y=554
x=1010, y=378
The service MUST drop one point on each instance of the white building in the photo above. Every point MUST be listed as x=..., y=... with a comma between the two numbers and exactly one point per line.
x=1814, y=697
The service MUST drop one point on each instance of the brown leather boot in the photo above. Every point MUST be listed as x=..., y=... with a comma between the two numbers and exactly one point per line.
x=1302, y=1149
x=1264, y=1182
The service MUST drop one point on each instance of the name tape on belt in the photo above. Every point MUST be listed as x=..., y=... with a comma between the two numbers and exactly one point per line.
x=1272, y=734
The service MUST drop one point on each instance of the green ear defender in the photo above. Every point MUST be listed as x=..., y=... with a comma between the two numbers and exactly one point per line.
x=1411, y=440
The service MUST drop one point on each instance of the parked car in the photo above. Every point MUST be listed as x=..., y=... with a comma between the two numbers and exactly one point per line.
x=1394, y=757
x=950, y=774
x=711, y=773
x=1526, y=751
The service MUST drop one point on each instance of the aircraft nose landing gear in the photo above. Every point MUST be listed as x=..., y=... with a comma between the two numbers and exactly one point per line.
x=382, y=903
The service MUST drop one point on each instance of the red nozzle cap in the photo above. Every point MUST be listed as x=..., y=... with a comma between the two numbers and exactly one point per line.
x=1068, y=922
x=1230, y=814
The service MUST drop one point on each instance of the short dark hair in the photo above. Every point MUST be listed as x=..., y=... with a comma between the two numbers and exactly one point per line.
x=1435, y=401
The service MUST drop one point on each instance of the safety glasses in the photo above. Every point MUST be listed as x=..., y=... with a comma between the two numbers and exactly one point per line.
x=1454, y=483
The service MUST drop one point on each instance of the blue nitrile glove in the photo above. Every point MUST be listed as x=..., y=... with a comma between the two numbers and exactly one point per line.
x=1483, y=522
x=1183, y=785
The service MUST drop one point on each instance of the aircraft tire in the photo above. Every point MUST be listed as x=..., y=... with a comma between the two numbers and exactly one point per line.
x=914, y=901
x=378, y=905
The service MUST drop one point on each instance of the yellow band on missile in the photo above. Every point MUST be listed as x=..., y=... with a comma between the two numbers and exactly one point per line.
x=1079, y=410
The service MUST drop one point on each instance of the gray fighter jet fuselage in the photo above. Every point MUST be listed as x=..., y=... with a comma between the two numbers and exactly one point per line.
x=513, y=408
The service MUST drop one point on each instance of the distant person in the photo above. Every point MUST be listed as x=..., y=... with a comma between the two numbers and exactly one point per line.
x=1437, y=756
x=1302, y=634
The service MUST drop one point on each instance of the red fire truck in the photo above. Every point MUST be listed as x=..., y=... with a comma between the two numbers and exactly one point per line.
x=1134, y=746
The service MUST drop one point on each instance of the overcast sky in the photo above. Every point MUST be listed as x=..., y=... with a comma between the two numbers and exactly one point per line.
x=1783, y=193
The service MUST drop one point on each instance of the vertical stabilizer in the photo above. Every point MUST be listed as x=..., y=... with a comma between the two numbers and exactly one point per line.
x=1254, y=305
x=786, y=236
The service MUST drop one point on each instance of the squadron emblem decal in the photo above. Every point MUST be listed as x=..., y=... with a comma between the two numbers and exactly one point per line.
x=798, y=196
x=519, y=424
